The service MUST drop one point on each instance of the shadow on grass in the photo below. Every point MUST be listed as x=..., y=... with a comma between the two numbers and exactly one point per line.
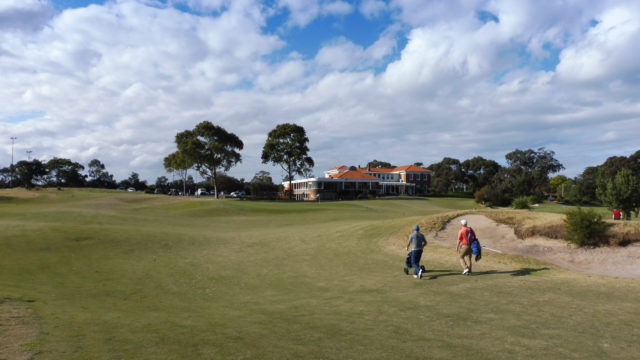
x=520, y=272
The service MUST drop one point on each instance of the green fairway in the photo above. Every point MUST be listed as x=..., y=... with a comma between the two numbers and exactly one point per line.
x=115, y=275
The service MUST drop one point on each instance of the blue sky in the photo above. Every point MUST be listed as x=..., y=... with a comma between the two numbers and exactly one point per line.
x=401, y=81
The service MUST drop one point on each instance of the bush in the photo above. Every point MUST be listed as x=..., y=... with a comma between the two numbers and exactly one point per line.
x=535, y=199
x=521, y=202
x=585, y=227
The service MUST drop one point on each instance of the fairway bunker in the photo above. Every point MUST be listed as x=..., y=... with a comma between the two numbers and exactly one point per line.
x=609, y=261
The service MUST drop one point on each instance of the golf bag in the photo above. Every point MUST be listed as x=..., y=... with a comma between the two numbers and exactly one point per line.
x=476, y=248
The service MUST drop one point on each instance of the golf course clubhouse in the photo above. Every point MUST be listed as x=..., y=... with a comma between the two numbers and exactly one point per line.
x=342, y=183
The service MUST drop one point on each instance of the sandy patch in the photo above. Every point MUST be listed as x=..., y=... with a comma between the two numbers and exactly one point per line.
x=610, y=261
x=18, y=331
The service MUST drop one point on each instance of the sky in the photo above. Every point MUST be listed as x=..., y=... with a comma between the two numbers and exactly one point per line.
x=400, y=81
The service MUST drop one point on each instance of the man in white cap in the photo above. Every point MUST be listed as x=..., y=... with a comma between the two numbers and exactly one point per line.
x=465, y=236
x=417, y=241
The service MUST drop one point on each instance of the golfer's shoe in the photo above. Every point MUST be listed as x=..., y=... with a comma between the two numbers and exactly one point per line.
x=406, y=271
x=465, y=272
x=415, y=276
x=420, y=274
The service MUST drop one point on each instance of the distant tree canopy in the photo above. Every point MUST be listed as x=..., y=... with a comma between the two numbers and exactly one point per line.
x=286, y=146
x=380, y=164
x=133, y=181
x=478, y=172
x=262, y=184
x=29, y=173
x=64, y=172
x=529, y=170
x=179, y=163
x=99, y=177
x=622, y=192
x=211, y=148
x=447, y=176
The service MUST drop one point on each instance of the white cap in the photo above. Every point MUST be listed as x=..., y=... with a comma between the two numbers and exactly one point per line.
x=463, y=222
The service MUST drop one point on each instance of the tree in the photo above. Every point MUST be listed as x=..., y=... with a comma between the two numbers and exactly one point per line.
x=478, y=172
x=5, y=177
x=556, y=182
x=622, y=193
x=229, y=184
x=586, y=185
x=179, y=163
x=447, y=175
x=608, y=170
x=99, y=177
x=29, y=173
x=134, y=181
x=162, y=181
x=262, y=184
x=529, y=170
x=211, y=148
x=380, y=164
x=286, y=146
x=497, y=192
x=65, y=172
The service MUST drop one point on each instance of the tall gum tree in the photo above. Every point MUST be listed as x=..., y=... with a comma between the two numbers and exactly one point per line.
x=211, y=148
x=286, y=146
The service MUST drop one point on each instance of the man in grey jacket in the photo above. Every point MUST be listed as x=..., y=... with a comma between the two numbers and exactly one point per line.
x=417, y=241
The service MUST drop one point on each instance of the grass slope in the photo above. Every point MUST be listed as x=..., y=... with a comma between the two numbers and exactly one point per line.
x=115, y=275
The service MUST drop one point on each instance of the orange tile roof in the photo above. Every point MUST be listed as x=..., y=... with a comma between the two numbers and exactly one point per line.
x=411, y=168
x=349, y=174
x=378, y=170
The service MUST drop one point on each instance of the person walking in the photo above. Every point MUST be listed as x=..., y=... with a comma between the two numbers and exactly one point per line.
x=417, y=241
x=465, y=236
x=617, y=214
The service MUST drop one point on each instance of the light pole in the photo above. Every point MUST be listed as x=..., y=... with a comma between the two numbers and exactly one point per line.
x=13, y=139
x=29, y=154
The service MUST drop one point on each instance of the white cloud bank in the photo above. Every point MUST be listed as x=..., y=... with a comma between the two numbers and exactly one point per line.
x=117, y=81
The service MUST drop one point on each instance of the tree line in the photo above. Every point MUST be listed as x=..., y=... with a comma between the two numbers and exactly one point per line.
x=211, y=151
x=614, y=184
x=207, y=149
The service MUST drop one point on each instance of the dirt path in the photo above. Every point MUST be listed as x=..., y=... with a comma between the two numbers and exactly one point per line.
x=609, y=261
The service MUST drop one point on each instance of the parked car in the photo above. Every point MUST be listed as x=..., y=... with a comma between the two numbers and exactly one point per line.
x=173, y=192
x=132, y=189
x=157, y=191
x=238, y=194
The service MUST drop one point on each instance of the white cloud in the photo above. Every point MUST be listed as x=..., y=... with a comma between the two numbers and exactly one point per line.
x=609, y=50
x=372, y=8
x=302, y=11
x=24, y=15
x=118, y=81
x=337, y=8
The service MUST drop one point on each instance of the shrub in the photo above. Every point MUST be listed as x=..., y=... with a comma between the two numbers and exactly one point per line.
x=585, y=227
x=521, y=202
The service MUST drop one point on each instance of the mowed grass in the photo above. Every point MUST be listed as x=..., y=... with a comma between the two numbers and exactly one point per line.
x=115, y=275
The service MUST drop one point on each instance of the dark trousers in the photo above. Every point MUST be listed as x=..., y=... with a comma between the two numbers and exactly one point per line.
x=413, y=260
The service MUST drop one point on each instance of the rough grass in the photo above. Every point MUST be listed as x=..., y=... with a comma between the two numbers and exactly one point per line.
x=113, y=275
